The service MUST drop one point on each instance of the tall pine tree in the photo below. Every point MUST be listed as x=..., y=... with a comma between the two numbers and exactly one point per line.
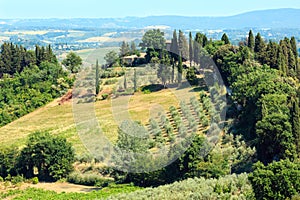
x=97, y=78
x=296, y=123
x=180, y=71
x=259, y=48
x=174, y=47
x=183, y=46
x=191, y=49
x=225, y=39
x=251, y=42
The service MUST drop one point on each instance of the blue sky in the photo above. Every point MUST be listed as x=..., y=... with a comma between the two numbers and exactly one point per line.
x=114, y=8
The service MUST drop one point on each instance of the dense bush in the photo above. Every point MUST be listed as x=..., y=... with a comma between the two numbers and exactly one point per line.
x=51, y=156
x=89, y=179
x=228, y=187
x=278, y=180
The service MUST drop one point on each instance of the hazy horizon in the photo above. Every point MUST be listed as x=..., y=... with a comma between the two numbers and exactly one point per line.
x=142, y=16
x=67, y=9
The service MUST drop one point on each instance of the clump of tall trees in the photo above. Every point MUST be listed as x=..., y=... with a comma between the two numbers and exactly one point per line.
x=47, y=157
x=29, y=80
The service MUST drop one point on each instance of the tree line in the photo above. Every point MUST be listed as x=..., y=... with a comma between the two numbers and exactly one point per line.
x=29, y=80
x=15, y=58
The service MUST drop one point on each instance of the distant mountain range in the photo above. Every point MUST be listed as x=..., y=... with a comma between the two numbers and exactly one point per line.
x=278, y=18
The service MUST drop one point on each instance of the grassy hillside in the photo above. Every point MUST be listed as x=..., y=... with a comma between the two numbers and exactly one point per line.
x=58, y=119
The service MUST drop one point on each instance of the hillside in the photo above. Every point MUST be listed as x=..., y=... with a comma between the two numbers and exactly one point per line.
x=58, y=119
x=277, y=18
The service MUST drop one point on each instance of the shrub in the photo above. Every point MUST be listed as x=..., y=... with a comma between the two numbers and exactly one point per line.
x=146, y=92
x=110, y=81
x=105, y=96
x=88, y=179
x=35, y=180
x=1, y=179
x=17, y=179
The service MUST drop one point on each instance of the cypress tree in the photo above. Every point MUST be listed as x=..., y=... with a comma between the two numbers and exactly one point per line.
x=124, y=50
x=225, y=39
x=198, y=44
x=204, y=41
x=174, y=47
x=135, y=80
x=180, y=71
x=97, y=78
x=38, y=55
x=125, y=82
x=271, y=55
x=296, y=123
x=259, y=48
x=281, y=64
x=182, y=46
x=133, y=47
x=259, y=44
x=191, y=50
x=251, y=42
x=296, y=54
x=294, y=46
x=6, y=57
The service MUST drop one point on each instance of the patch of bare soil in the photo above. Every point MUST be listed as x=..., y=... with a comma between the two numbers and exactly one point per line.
x=63, y=187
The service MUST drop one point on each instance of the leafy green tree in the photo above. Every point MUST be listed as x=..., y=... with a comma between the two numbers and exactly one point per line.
x=191, y=76
x=227, y=59
x=153, y=39
x=52, y=156
x=275, y=138
x=164, y=74
x=111, y=58
x=193, y=157
x=8, y=162
x=72, y=62
x=248, y=95
x=279, y=180
x=225, y=39
x=251, y=42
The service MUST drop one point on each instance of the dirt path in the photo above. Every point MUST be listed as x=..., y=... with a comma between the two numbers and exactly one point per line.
x=63, y=187
x=56, y=187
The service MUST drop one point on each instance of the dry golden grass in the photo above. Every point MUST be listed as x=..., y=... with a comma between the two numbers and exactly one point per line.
x=58, y=119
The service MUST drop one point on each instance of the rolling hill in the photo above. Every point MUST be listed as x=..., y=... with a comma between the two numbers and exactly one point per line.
x=276, y=18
